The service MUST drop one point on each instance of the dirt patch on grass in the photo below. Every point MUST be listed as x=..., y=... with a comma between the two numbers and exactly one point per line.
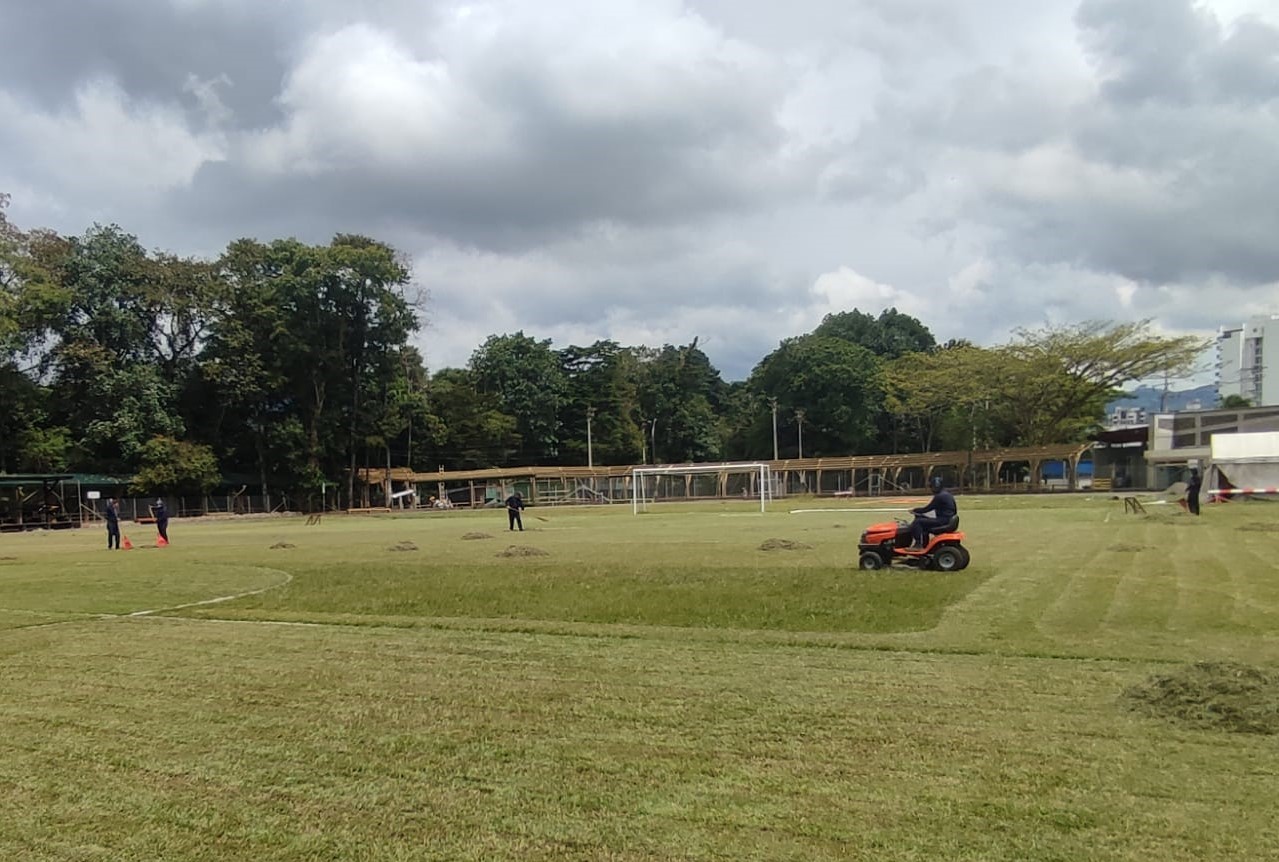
x=1254, y=527
x=783, y=545
x=1122, y=548
x=282, y=546
x=470, y=537
x=1228, y=696
x=522, y=551
x=403, y=546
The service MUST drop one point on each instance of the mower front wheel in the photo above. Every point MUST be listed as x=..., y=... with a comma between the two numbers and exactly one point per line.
x=870, y=561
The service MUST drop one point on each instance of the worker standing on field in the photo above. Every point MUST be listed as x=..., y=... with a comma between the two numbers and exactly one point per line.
x=113, y=524
x=1192, y=492
x=513, y=506
x=161, y=519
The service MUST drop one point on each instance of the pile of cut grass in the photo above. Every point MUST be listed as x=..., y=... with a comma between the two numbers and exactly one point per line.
x=522, y=551
x=1227, y=696
x=783, y=545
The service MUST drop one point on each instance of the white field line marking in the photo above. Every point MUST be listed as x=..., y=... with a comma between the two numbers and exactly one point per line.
x=288, y=578
x=295, y=623
x=76, y=617
x=803, y=511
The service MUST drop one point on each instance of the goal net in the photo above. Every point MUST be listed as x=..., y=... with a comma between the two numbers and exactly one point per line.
x=737, y=480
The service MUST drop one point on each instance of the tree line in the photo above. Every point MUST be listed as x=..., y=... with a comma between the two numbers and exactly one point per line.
x=289, y=366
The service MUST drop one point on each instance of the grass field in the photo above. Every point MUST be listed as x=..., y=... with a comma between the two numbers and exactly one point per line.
x=651, y=687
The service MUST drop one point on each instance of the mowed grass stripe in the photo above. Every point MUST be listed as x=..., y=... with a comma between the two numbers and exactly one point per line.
x=1148, y=598
x=124, y=583
x=1252, y=565
x=240, y=741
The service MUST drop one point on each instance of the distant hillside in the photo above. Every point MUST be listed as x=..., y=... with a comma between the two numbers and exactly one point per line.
x=1152, y=398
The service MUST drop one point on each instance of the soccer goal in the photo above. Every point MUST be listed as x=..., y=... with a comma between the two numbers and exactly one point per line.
x=745, y=480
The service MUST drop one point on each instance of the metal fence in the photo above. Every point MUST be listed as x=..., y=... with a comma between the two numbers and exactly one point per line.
x=136, y=508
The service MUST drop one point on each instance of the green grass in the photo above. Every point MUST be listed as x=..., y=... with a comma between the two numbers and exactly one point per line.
x=655, y=687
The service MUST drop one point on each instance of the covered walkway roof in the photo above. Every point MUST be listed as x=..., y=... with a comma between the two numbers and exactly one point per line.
x=1071, y=452
x=22, y=480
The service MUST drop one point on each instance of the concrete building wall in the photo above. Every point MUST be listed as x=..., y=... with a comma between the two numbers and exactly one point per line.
x=1248, y=360
x=1182, y=440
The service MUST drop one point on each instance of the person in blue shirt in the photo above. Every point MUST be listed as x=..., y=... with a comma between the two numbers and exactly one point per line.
x=1193, y=488
x=113, y=524
x=513, y=506
x=943, y=508
x=161, y=519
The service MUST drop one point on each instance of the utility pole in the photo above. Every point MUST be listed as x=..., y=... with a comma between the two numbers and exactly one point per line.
x=590, y=458
x=653, y=430
x=773, y=401
x=799, y=418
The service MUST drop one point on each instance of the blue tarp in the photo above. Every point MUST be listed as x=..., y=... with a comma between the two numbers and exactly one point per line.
x=1057, y=470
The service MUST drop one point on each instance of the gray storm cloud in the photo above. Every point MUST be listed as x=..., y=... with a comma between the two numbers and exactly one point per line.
x=663, y=170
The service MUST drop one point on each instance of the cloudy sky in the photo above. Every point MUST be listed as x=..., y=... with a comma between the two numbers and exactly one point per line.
x=654, y=170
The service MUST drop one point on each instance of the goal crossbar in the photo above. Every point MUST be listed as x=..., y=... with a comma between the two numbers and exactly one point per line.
x=763, y=470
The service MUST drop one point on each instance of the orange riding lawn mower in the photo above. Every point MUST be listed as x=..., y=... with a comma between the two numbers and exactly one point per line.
x=882, y=545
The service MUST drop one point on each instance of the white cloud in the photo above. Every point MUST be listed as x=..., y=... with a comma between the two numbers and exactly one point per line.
x=654, y=171
x=104, y=143
x=846, y=288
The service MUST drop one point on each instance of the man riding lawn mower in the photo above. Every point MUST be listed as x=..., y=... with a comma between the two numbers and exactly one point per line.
x=931, y=541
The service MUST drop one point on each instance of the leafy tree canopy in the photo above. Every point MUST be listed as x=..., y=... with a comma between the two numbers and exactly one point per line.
x=890, y=335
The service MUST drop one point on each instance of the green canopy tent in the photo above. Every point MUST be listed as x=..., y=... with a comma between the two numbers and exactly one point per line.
x=35, y=501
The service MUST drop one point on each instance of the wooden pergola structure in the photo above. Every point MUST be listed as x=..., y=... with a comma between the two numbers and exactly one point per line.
x=1005, y=469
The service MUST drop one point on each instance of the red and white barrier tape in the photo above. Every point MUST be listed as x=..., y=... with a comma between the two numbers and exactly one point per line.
x=1244, y=491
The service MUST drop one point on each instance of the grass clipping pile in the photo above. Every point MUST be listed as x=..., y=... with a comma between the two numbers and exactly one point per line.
x=1225, y=696
x=522, y=551
x=783, y=545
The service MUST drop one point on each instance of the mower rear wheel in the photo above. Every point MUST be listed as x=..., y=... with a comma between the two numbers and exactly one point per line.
x=870, y=561
x=949, y=558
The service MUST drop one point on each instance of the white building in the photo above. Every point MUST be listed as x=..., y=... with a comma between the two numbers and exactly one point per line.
x=1126, y=417
x=1244, y=355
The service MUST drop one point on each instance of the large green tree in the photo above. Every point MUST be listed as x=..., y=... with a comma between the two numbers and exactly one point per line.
x=679, y=395
x=32, y=302
x=527, y=380
x=929, y=394
x=300, y=350
x=1055, y=381
x=1047, y=385
x=170, y=466
x=602, y=384
x=466, y=429
x=890, y=335
x=837, y=385
x=102, y=357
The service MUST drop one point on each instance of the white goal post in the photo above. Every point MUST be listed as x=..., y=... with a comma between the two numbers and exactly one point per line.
x=758, y=471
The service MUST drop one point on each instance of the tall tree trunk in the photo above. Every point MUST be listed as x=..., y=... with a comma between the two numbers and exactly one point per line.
x=261, y=447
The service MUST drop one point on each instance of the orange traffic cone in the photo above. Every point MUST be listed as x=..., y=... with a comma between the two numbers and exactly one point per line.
x=126, y=544
x=161, y=542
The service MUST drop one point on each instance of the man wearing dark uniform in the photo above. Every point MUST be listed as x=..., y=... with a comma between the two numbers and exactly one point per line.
x=513, y=506
x=161, y=519
x=942, y=505
x=113, y=524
